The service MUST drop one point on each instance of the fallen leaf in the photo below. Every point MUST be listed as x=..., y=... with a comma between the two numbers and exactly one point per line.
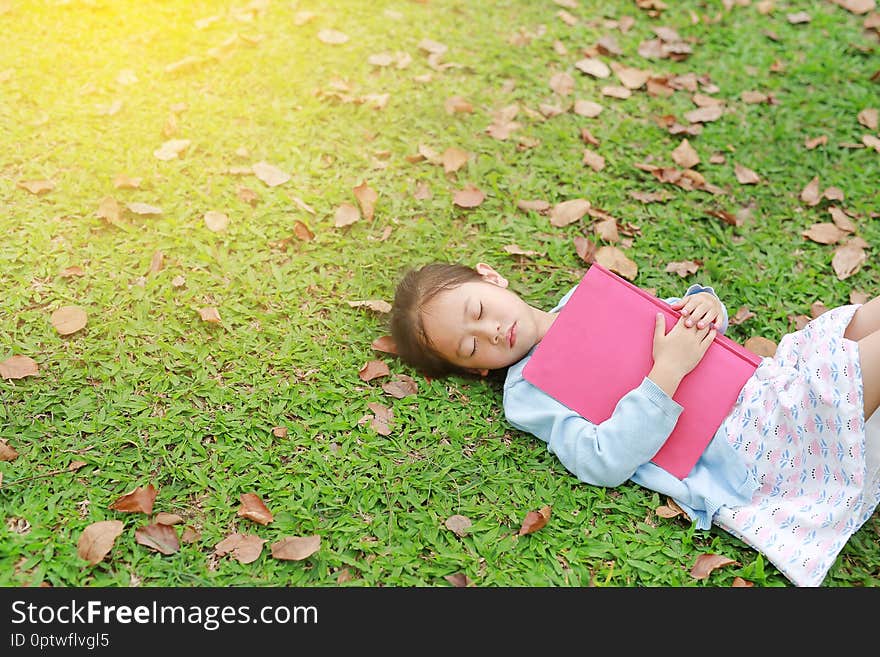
x=706, y=563
x=685, y=156
x=253, y=508
x=562, y=83
x=742, y=314
x=458, y=525
x=534, y=521
x=376, y=305
x=744, y=175
x=162, y=538
x=593, y=160
x=296, y=548
x=670, y=509
x=366, y=197
x=302, y=231
x=857, y=6
x=824, y=233
x=143, y=208
x=73, y=270
x=457, y=104
x=592, y=66
x=122, y=181
x=168, y=518
x=69, y=319
x=847, y=260
x=841, y=219
x=171, y=149
x=18, y=367
x=869, y=118
x=332, y=37
x=458, y=580
x=810, y=194
x=139, y=500
x=815, y=141
x=616, y=260
x=683, y=268
x=97, y=540
x=216, y=221
x=157, y=262
x=469, y=197
x=402, y=385
x=385, y=344
x=739, y=581
x=454, y=158
x=7, y=452
x=270, y=174
x=279, y=432
x=373, y=369
x=209, y=314
x=245, y=548
x=760, y=346
x=381, y=420
x=536, y=205
x=109, y=210
x=585, y=248
x=798, y=17
x=587, y=108
x=37, y=187
x=346, y=214
x=568, y=212
x=705, y=114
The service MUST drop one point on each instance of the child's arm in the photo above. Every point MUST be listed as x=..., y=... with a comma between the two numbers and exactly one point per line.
x=604, y=454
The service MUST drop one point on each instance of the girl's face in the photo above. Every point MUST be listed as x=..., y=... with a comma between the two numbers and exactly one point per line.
x=481, y=325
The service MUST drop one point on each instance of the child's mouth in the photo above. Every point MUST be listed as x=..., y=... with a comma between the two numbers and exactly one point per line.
x=511, y=336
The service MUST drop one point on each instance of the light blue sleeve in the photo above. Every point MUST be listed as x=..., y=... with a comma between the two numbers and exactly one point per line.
x=604, y=454
x=696, y=287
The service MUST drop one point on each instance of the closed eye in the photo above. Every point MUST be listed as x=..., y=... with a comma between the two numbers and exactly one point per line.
x=480, y=314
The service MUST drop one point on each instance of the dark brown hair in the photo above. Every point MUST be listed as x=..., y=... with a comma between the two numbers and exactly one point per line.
x=415, y=289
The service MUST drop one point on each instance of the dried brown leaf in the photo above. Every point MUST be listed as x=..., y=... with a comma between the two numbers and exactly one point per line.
x=534, y=521
x=760, y=346
x=385, y=344
x=346, y=214
x=685, y=156
x=7, y=452
x=568, y=212
x=402, y=385
x=296, y=548
x=159, y=537
x=97, y=540
x=824, y=233
x=684, y=268
x=253, y=508
x=847, y=260
x=216, y=221
x=810, y=194
x=271, y=175
x=458, y=524
x=373, y=369
x=366, y=197
x=616, y=260
x=744, y=175
x=245, y=548
x=469, y=197
x=706, y=563
x=139, y=500
x=69, y=319
x=302, y=231
x=18, y=367
x=210, y=314
x=37, y=187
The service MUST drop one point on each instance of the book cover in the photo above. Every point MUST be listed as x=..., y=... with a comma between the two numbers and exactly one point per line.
x=600, y=347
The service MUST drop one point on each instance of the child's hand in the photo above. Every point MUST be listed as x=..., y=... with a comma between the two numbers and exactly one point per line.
x=678, y=352
x=701, y=310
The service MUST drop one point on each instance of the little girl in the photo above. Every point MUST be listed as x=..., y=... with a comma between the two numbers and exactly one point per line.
x=791, y=470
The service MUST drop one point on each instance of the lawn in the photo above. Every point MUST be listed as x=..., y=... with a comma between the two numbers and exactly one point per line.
x=207, y=206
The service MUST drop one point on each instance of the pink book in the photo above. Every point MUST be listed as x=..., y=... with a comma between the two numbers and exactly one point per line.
x=600, y=347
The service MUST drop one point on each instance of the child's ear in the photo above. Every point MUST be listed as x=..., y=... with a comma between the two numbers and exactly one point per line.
x=490, y=275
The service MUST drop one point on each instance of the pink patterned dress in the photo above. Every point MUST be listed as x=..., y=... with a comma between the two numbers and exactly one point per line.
x=799, y=423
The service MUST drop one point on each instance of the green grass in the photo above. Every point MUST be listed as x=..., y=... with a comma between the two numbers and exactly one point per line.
x=149, y=393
